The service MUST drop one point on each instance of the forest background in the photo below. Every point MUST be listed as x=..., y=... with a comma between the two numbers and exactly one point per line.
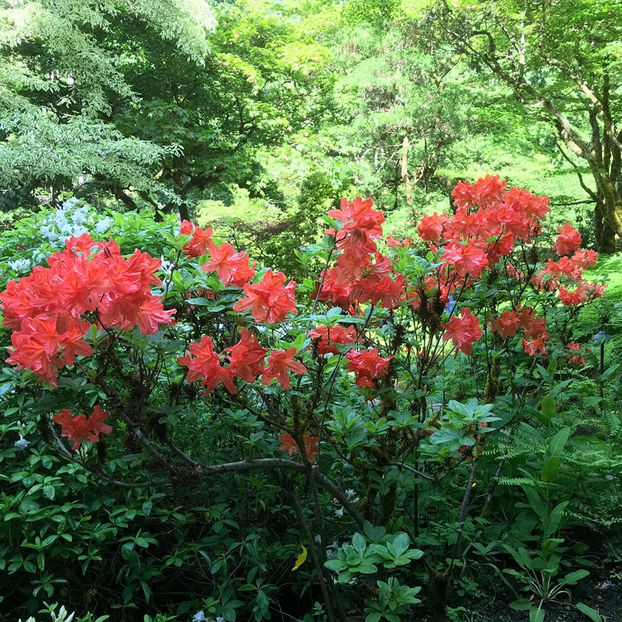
x=262, y=114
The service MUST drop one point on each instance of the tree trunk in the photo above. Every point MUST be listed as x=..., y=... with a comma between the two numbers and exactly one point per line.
x=605, y=235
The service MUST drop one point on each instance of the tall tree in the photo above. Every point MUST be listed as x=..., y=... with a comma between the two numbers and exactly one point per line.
x=562, y=58
x=63, y=81
x=146, y=100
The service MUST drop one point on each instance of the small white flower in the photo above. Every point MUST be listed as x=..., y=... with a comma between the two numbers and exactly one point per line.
x=350, y=493
x=80, y=215
x=69, y=203
x=19, y=265
x=339, y=513
x=103, y=225
x=22, y=443
x=167, y=266
x=219, y=619
x=199, y=616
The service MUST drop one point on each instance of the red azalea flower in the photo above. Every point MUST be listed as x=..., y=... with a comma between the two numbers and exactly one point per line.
x=270, y=300
x=575, y=356
x=289, y=444
x=465, y=259
x=334, y=334
x=536, y=346
x=431, y=228
x=463, y=331
x=568, y=240
x=231, y=267
x=246, y=358
x=367, y=366
x=507, y=324
x=79, y=428
x=205, y=364
x=279, y=366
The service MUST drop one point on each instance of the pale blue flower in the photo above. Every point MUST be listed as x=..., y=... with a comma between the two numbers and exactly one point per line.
x=19, y=265
x=22, y=443
x=103, y=225
x=199, y=616
x=451, y=305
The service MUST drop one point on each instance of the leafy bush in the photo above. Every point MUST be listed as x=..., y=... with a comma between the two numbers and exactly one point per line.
x=402, y=379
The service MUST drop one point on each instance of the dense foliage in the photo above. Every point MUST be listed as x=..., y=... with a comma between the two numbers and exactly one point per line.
x=227, y=393
x=396, y=379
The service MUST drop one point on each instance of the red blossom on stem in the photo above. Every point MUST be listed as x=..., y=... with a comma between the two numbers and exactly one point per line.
x=367, y=366
x=568, y=240
x=204, y=364
x=270, y=300
x=289, y=444
x=463, y=331
x=79, y=428
x=279, y=366
x=332, y=335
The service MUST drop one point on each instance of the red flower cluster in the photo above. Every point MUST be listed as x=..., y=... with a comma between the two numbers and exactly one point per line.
x=463, y=331
x=568, y=271
x=568, y=240
x=232, y=268
x=246, y=361
x=575, y=356
x=201, y=238
x=289, y=444
x=246, y=357
x=367, y=366
x=270, y=300
x=205, y=366
x=488, y=220
x=79, y=428
x=45, y=308
x=534, y=327
x=279, y=366
x=361, y=274
x=328, y=335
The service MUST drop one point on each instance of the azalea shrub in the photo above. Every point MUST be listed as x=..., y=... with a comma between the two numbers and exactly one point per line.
x=356, y=424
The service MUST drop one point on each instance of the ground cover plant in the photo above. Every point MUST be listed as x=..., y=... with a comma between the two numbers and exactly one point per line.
x=416, y=423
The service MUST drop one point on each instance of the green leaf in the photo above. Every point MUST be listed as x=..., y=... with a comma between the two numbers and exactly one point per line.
x=523, y=604
x=553, y=520
x=535, y=501
x=550, y=470
x=558, y=442
x=592, y=614
x=547, y=406
x=400, y=543
x=335, y=564
x=358, y=542
x=573, y=577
